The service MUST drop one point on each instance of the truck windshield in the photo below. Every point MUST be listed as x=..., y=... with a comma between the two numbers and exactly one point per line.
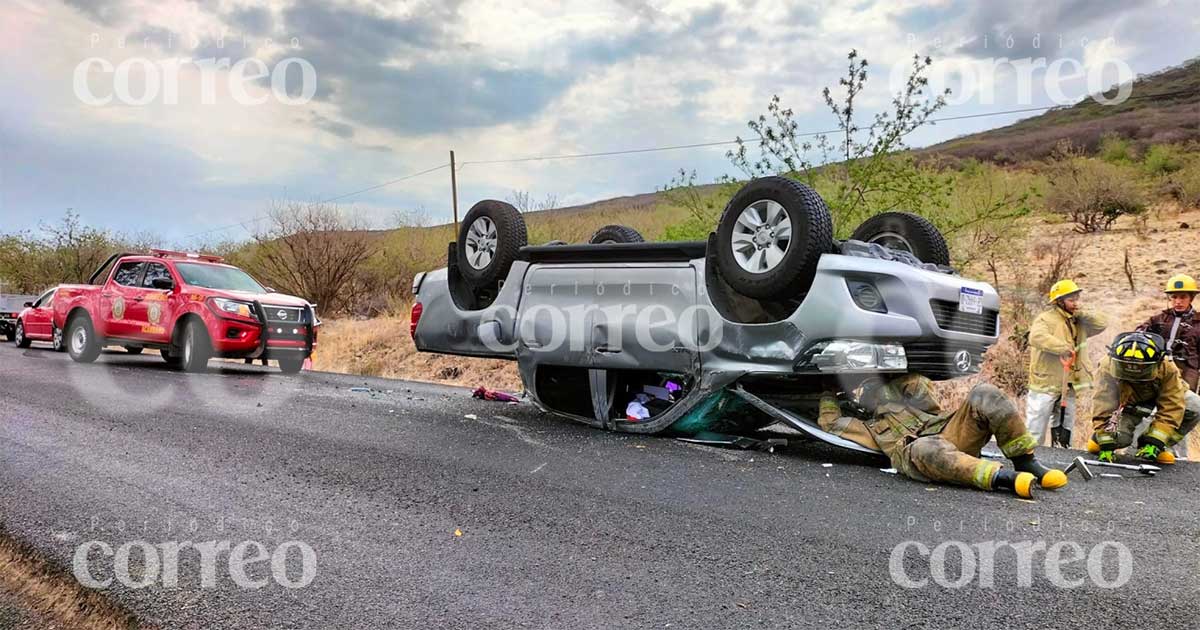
x=216, y=277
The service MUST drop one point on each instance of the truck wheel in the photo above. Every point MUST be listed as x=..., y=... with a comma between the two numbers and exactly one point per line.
x=489, y=240
x=57, y=342
x=19, y=337
x=133, y=350
x=291, y=366
x=907, y=232
x=616, y=234
x=195, y=349
x=82, y=344
x=770, y=238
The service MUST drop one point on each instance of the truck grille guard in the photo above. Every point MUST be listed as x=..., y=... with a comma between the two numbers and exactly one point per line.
x=308, y=319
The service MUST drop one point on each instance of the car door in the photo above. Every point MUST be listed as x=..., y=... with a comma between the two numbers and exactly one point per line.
x=38, y=321
x=152, y=308
x=119, y=297
x=644, y=318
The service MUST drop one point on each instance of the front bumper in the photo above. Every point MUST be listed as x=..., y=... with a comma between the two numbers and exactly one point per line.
x=266, y=338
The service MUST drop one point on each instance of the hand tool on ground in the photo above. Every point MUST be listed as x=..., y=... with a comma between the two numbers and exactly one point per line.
x=1145, y=469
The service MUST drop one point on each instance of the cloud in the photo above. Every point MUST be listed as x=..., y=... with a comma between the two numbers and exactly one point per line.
x=339, y=129
x=253, y=20
x=106, y=12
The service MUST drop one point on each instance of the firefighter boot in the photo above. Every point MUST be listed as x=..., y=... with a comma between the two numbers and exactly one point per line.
x=1155, y=453
x=1092, y=446
x=1020, y=483
x=1048, y=478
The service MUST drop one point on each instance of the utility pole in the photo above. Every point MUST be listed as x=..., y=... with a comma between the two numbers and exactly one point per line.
x=454, y=191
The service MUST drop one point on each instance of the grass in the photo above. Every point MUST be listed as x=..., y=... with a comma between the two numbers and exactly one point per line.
x=50, y=597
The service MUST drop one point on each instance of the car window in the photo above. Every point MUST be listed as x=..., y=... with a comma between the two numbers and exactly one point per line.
x=127, y=273
x=155, y=271
x=46, y=300
x=218, y=277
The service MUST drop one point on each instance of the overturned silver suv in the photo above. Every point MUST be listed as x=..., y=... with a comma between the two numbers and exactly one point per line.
x=767, y=313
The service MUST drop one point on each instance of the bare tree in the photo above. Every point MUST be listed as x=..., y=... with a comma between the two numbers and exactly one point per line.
x=314, y=251
x=524, y=202
x=76, y=248
x=413, y=217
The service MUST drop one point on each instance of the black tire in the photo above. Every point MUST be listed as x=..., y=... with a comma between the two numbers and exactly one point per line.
x=811, y=234
x=291, y=366
x=195, y=349
x=493, y=255
x=133, y=350
x=82, y=344
x=10, y=335
x=58, y=341
x=905, y=231
x=19, y=336
x=616, y=234
x=172, y=360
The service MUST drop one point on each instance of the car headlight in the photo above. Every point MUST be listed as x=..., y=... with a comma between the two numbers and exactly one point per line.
x=234, y=307
x=855, y=356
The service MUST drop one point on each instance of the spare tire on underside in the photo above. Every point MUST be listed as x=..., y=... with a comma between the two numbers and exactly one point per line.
x=908, y=232
x=489, y=240
x=771, y=237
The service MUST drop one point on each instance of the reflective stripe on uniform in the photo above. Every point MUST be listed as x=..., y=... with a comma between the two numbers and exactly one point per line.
x=985, y=472
x=1019, y=445
x=1158, y=434
x=1104, y=437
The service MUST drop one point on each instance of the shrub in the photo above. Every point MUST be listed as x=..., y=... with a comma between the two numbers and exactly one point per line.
x=1115, y=149
x=1163, y=159
x=1184, y=186
x=1093, y=194
x=1059, y=255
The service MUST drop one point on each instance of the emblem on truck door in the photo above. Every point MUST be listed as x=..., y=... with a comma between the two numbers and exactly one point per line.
x=118, y=308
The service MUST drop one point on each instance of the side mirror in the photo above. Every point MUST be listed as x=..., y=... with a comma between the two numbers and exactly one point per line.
x=163, y=283
x=29, y=305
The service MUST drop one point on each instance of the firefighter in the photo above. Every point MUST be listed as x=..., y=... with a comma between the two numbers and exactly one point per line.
x=901, y=417
x=1179, y=325
x=1058, y=368
x=1135, y=382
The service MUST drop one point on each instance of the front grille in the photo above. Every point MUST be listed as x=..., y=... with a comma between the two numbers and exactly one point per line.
x=950, y=318
x=940, y=361
x=283, y=314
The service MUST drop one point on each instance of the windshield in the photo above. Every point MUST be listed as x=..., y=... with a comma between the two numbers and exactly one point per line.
x=220, y=278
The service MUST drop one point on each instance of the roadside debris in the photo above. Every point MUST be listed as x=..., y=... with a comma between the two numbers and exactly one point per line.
x=890, y=471
x=471, y=416
x=361, y=390
x=484, y=393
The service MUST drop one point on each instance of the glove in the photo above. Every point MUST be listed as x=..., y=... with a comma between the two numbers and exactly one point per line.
x=1107, y=457
x=1149, y=451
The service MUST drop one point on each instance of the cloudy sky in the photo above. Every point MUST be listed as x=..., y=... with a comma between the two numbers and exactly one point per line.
x=124, y=110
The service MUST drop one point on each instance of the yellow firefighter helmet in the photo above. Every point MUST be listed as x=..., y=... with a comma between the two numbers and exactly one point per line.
x=1181, y=283
x=1062, y=289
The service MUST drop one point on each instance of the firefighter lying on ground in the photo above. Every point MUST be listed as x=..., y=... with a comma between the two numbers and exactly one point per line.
x=901, y=417
x=1058, y=342
x=1134, y=383
x=1179, y=325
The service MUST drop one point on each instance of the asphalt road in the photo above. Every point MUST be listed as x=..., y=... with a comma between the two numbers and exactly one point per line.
x=562, y=526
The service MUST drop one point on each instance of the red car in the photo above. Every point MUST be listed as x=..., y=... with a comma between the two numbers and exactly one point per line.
x=36, y=323
x=189, y=307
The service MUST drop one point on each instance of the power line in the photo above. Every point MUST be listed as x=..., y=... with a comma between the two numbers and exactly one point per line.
x=676, y=147
x=569, y=156
x=248, y=222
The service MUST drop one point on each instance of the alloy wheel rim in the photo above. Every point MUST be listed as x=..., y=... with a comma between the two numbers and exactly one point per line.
x=761, y=236
x=20, y=335
x=78, y=340
x=57, y=338
x=481, y=243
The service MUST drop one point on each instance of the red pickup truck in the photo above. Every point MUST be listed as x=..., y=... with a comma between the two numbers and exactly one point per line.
x=189, y=307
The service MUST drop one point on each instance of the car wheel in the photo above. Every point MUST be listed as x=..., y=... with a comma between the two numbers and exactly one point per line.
x=195, y=349
x=616, y=234
x=771, y=236
x=291, y=366
x=19, y=337
x=133, y=350
x=489, y=239
x=57, y=342
x=172, y=360
x=82, y=344
x=907, y=232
